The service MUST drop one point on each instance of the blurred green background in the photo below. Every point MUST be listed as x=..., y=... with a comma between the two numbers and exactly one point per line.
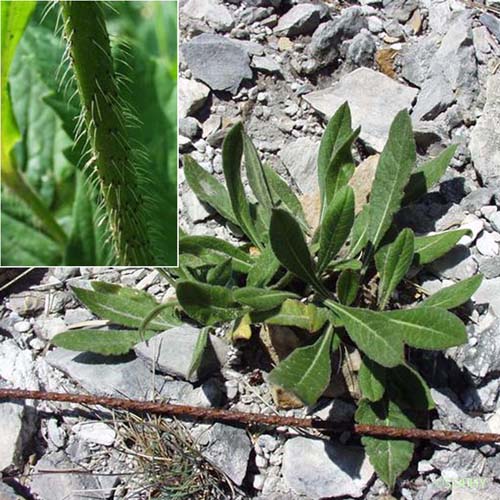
x=144, y=35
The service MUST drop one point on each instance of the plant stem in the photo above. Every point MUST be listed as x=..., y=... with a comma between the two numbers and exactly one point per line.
x=113, y=159
x=236, y=417
x=18, y=185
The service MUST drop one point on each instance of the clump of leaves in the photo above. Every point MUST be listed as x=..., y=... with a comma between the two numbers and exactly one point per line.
x=335, y=284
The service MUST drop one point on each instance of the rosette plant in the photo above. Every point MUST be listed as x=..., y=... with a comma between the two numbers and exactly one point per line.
x=335, y=285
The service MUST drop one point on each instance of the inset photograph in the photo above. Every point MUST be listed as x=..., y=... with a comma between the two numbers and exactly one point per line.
x=89, y=133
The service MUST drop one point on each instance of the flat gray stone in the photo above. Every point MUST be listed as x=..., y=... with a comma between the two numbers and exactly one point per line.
x=328, y=37
x=7, y=493
x=211, y=11
x=416, y=59
x=300, y=159
x=192, y=96
x=229, y=450
x=458, y=264
x=492, y=23
x=400, y=9
x=17, y=425
x=299, y=20
x=366, y=91
x=60, y=485
x=118, y=376
x=217, y=61
x=485, y=140
x=490, y=266
x=489, y=293
x=265, y=64
x=318, y=469
x=173, y=352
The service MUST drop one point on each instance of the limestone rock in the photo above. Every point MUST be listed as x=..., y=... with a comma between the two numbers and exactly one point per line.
x=319, y=469
x=217, y=61
x=366, y=91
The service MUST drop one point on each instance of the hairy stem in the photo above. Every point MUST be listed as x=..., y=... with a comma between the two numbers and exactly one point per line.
x=113, y=159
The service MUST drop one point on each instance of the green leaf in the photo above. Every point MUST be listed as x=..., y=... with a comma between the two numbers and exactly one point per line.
x=261, y=299
x=454, y=295
x=294, y=313
x=214, y=251
x=340, y=170
x=372, y=379
x=23, y=244
x=393, y=173
x=124, y=306
x=232, y=151
x=289, y=246
x=86, y=242
x=431, y=247
x=389, y=457
x=425, y=176
x=208, y=189
x=198, y=352
x=427, y=327
x=221, y=274
x=284, y=197
x=392, y=262
x=344, y=265
x=307, y=370
x=348, y=286
x=372, y=332
x=335, y=226
x=263, y=271
x=336, y=133
x=407, y=387
x=359, y=232
x=255, y=174
x=106, y=342
x=207, y=304
x=15, y=17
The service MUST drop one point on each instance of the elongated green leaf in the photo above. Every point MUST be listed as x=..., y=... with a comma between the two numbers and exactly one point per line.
x=335, y=226
x=199, y=350
x=372, y=332
x=427, y=175
x=284, y=197
x=389, y=457
x=307, y=370
x=344, y=265
x=86, y=245
x=408, y=389
x=294, y=313
x=124, y=306
x=208, y=304
x=23, y=244
x=265, y=267
x=392, y=262
x=214, y=250
x=208, y=189
x=15, y=17
x=107, y=342
x=255, y=174
x=359, y=232
x=393, y=173
x=232, y=151
x=348, y=286
x=427, y=327
x=261, y=299
x=336, y=133
x=339, y=171
x=454, y=295
x=221, y=274
x=289, y=246
x=431, y=247
x=372, y=379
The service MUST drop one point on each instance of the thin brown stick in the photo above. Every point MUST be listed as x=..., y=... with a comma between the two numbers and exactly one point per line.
x=237, y=417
